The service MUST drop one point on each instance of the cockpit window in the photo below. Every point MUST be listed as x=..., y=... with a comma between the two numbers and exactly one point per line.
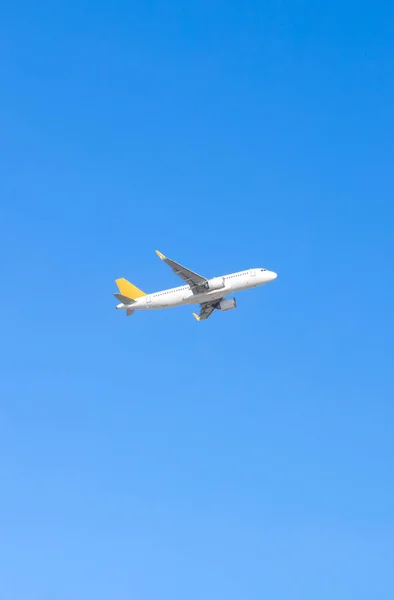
x=263, y=269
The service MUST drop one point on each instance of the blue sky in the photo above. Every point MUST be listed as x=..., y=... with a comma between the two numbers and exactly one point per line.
x=249, y=456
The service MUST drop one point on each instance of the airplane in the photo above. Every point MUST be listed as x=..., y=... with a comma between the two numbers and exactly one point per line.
x=208, y=293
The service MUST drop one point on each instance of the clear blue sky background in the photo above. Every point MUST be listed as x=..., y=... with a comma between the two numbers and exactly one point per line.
x=250, y=456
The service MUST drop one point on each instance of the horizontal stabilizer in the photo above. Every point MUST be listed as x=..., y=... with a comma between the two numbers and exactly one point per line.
x=124, y=299
x=129, y=312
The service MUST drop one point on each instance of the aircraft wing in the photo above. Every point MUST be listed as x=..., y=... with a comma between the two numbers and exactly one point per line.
x=195, y=281
x=206, y=309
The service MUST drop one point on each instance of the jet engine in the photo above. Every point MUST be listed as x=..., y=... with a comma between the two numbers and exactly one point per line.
x=215, y=284
x=228, y=304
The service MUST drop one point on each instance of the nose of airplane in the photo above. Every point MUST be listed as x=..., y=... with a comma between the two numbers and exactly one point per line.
x=273, y=275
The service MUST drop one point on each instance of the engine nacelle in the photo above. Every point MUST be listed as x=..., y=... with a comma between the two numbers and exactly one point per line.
x=216, y=283
x=228, y=304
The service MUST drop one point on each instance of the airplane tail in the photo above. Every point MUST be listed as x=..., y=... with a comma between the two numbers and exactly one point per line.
x=128, y=290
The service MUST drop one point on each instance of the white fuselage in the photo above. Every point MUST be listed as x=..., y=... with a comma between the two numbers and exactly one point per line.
x=235, y=282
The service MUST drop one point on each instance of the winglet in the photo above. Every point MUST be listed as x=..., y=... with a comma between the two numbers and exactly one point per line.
x=160, y=255
x=196, y=317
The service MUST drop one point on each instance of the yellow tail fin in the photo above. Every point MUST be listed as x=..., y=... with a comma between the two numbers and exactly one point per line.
x=128, y=289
